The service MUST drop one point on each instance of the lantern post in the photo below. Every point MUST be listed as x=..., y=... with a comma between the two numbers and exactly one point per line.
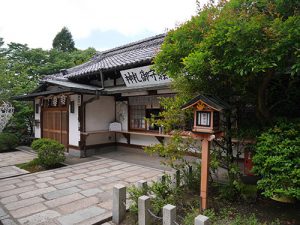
x=206, y=127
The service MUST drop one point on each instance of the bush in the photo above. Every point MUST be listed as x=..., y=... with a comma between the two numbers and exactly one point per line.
x=192, y=177
x=50, y=152
x=161, y=192
x=249, y=192
x=277, y=160
x=38, y=143
x=21, y=123
x=8, y=142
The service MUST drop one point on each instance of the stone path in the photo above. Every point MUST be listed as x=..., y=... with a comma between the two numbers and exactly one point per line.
x=9, y=159
x=11, y=171
x=16, y=157
x=77, y=194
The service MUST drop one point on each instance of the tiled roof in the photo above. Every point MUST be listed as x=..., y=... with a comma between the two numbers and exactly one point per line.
x=135, y=53
x=212, y=101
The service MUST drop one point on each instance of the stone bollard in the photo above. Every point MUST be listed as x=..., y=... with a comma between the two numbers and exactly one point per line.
x=190, y=170
x=144, y=217
x=169, y=214
x=143, y=185
x=119, y=203
x=161, y=178
x=201, y=220
x=178, y=178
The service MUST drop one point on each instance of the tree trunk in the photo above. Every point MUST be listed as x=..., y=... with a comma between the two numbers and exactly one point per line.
x=228, y=143
x=263, y=112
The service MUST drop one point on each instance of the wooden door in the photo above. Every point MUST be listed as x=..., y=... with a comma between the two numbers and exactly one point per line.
x=55, y=125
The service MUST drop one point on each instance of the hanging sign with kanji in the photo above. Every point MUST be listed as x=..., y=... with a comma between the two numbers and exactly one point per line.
x=143, y=76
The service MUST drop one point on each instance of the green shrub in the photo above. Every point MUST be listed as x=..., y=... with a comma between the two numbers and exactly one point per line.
x=277, y=160
x=8, y=141
x=161, y=192
x=189, y=218
x=134, y=194
x=50, y=152
x=38, y=143
x=245, y=220
x=164, y=192
x=191, y=177
x=249, y=192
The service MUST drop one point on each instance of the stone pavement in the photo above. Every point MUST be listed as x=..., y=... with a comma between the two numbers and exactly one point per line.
x=9, y=159
x=15, y=157
x=77, y=194
x=11, y=171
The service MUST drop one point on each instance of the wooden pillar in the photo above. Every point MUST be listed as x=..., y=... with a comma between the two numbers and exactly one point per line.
x=204, y=172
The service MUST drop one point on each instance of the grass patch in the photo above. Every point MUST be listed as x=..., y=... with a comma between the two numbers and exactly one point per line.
x=35, y=166
x=32, y=166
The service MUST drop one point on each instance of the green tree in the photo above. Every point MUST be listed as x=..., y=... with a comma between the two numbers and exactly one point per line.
x=242, y=51
x=246, y=53
x=21, y=69
x=63, y=41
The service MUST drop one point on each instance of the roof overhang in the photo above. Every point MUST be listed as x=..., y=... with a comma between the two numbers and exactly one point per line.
x=212, y=101
x=61, y=87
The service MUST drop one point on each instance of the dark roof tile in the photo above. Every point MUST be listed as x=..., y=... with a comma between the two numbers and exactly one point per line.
x=134, y=53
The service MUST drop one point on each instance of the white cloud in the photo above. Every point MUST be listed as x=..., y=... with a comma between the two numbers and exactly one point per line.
x=36, y=22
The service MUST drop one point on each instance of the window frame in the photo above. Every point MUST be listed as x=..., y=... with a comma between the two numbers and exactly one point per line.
x=130, y=117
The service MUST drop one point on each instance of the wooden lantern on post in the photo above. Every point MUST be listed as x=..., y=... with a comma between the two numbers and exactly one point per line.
x=206, y=126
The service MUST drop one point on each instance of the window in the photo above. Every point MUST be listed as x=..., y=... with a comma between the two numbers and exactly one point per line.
x=152, y=113
x=141, y=107
x=203, y=119
x=137, y=117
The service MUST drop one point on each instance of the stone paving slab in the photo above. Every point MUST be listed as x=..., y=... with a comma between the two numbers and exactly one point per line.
x=14, y=158
x=9, y=159
x=11, y=171
x=76, y=194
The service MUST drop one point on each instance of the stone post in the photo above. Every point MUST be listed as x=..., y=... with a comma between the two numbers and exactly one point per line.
x=169, y=214
x=119, y=203
x=161, y=178
x=178, y=178
x=144, y=217
x=201, y=220
x=143, y=185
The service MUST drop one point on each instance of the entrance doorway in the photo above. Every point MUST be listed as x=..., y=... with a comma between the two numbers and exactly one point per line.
x=55, y=125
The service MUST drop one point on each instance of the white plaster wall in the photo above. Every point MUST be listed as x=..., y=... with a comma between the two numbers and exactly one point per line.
x=37, y=116
x=74, y=133
x=99, y=114
x=122, y=114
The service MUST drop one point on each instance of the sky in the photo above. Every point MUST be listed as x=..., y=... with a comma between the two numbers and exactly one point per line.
x=101, y=24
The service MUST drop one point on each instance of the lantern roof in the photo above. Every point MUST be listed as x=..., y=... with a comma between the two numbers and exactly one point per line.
x=211, y=101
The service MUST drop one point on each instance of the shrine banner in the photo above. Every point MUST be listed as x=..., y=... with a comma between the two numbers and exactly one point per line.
x=143, y=76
